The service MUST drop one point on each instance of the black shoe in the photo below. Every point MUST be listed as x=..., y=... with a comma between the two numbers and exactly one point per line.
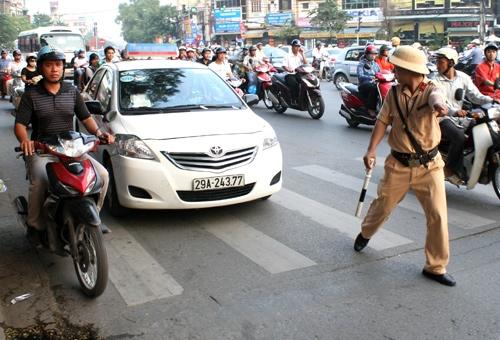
x=360, y=242
x=34, y=236
x=105, y=229
x=444, y=279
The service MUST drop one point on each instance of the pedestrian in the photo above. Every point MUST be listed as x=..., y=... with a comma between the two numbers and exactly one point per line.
x=412, y=109
x=109, y=55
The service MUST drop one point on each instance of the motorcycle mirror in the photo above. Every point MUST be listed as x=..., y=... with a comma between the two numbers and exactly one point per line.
x=95, y=107
x=251, y=99
x=459, y=94
x=497, y=83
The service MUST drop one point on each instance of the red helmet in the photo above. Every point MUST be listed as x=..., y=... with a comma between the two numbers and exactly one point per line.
x=371, y=49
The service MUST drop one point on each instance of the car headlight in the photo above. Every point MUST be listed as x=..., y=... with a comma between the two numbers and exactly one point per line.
x=133, y=146
x=270, y=139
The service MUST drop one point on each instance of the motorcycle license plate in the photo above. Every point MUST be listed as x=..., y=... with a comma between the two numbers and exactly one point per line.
x=220, y=182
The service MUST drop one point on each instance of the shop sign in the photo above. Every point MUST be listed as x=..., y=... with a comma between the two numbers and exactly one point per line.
x=227, y=20
x=366, y=14
x=279, y=19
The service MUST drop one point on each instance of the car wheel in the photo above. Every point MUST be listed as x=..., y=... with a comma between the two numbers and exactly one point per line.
x=111, y=201
x=340, y=78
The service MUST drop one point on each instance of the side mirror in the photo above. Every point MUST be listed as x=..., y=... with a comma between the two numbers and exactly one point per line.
x=497, y=83
x=251, y=99
x=459, y=94
x=95, y=107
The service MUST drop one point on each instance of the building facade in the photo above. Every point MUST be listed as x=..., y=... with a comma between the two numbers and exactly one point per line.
x=12, y=7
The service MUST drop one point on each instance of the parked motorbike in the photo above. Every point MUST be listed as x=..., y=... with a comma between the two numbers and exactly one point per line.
x=353, y=108
x=309, y=97
x=265, y=83
x=70, y=212
x=482, y=148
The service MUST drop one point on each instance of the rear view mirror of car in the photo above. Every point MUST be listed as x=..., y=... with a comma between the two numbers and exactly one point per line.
x=251, y=99
x=94, y=107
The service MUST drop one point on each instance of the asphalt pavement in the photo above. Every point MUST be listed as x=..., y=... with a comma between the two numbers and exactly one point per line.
x=283, y=268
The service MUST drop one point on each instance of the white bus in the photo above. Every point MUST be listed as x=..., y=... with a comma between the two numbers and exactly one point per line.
x=65, y=38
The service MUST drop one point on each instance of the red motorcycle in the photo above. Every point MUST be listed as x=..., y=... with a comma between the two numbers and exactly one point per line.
x=264, y=73
x=70, y=212
x=353, y=108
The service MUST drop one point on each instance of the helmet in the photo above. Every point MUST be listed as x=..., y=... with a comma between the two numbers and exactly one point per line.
x=296, y=42
x=491, y=46
x=259, y=43
x=395, y=41
x=49, y=53
x=448, y=53
x=206, y=49
x=189, y=49
x=410, y=58
x=16, y=52
x=384, y=48
x=81, y=51
x=476, y=42
x=182, y=48
x=31, y=56
x=319, y=44
x=220, y=50
x=371, y=49
x=416, y=45
x=252, y=48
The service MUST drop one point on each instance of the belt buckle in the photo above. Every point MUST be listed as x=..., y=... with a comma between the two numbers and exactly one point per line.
x=414, y=162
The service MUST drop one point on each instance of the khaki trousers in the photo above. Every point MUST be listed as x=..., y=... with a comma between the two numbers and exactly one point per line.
x=428, y=186
x=39, y=184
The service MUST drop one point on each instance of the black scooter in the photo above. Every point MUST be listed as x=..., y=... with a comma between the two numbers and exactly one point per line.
x=309, y=98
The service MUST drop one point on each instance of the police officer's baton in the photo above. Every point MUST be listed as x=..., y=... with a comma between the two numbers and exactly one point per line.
x=363, y=191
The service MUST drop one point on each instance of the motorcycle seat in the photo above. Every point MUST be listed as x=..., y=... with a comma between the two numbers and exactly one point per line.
x=280, y=77
x=352, y=88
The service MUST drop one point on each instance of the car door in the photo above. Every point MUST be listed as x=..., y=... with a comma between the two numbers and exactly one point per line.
x=352, y=58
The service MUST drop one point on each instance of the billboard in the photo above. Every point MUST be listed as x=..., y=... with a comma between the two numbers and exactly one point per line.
x=227, y=20
x=279, y=19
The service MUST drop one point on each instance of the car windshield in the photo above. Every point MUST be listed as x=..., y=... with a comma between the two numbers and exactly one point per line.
x=65, y=42
x=274, y=52
x=334, y=51
x=150, y=91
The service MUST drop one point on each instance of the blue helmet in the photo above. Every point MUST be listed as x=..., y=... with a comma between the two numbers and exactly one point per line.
x=49, y=53
x=296, y=42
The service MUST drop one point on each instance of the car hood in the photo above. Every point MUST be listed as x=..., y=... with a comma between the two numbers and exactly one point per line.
x=192, y=124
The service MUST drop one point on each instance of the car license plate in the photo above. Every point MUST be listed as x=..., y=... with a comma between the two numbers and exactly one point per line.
x=220, y=182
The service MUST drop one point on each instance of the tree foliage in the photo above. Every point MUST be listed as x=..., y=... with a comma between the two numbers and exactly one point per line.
x=42, y=20
x=288, y=31
x=329, y=17
x=143, y=20
x=11, y=26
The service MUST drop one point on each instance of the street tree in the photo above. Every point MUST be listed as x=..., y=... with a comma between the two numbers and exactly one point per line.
x=288, y=32
x=329, y=17
x=11, y=26
x=42, y=20
x=144, y=20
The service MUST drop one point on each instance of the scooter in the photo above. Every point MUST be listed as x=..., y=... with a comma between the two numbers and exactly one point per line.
x=265, y=83
x=482, y=148
x=353, y=108
x=321, y=65
x=309, y=97
x=236, y=83
x=70, y=212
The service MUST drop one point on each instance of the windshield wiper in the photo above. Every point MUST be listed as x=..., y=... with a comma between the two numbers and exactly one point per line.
x=146, y=109
x=198, y=107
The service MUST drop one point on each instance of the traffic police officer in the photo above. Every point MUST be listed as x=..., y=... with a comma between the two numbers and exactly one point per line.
x=420, y=167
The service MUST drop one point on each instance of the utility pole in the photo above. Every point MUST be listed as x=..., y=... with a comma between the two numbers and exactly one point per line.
x=482, y=20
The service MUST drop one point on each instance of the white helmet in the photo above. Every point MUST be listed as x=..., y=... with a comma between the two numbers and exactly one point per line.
x=476, y=42
x=448, y=53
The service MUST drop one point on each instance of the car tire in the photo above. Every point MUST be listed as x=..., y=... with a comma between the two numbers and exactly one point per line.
x=111, y=201
x=339, y=78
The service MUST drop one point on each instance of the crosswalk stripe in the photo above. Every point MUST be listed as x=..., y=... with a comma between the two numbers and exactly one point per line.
x=335, y=219
x=456, y=217
x=136, y=274
x=265, y=251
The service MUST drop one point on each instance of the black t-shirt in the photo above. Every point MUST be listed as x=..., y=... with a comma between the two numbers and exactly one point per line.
x=29, y=74
x=48, y=113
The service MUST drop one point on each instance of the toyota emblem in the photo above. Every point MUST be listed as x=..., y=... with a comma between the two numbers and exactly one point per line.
x=216, y=151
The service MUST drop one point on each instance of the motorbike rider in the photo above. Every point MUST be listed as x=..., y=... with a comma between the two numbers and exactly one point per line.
x=488, y=72
x=383, y=59
x=260, y=51
x=454, y=126
x=191, y=54
x=251, y=61
x=395, y=42
x=14, y=69
x=476, y=55
x=29, y=74
x=367, y=68
x=221, y=66
x=206, y=56
x=109, y=54
x=182, y=53
x=4, y=65
x=318, y=53
x=93, y=65
x=50, y=107
x=80, y=64
x=293, y=60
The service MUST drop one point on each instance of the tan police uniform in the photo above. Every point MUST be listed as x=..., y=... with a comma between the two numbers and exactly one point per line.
x=427, y=183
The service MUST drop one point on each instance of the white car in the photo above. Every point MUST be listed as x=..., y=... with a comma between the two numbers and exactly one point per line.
x=184, y=138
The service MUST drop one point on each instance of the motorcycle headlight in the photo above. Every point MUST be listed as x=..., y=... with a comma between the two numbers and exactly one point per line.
x=270, y=139
x=132, y=146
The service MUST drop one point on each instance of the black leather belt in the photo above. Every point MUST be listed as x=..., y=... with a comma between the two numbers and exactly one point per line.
x=413, y=159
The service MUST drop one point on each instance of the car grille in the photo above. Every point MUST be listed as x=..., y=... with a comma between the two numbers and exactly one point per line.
x=205, y=162
x=216, y=194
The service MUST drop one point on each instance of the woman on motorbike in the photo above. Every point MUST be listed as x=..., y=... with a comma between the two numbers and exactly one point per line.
x=367, y=68
x=29, y=74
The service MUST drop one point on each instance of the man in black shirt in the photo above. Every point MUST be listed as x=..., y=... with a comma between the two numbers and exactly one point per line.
x=50, y=107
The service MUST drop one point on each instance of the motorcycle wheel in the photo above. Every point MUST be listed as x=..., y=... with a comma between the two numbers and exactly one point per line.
x=496, y=181
x=279, y=108
x=318, y=108
x=112, y=204
x=267, y=102
x=92, y=264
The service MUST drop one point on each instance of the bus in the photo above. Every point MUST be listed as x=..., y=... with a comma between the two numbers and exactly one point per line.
x=65, y=38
